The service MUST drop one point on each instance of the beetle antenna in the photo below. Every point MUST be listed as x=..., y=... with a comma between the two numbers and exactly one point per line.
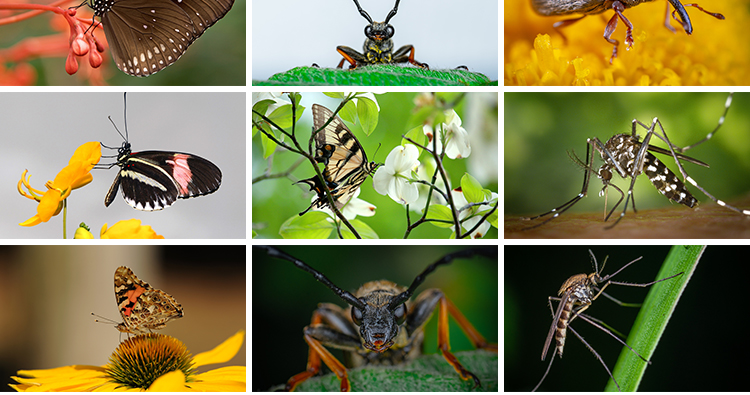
x=345, y=295
x=364, y=13
x=404, y=296
x=393, y=12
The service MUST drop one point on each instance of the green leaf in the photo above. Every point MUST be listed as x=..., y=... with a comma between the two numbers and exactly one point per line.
x=415, y=134
x=377, y=75
x=654, y=315
x=367, y=112
x=269, y=146
x=313, y=225
x=428, y=373
x=437, y=211
x=472, y=189
x=364, y=230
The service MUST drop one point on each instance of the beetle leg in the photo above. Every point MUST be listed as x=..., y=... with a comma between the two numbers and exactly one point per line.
x=350, y=55
x=612, y=24
x=400, y=57
x=561, y=24
x=424, y=306
x=328, y=327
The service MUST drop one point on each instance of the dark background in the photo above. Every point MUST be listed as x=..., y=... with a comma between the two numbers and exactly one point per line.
x=702, y=348
x=284, y=297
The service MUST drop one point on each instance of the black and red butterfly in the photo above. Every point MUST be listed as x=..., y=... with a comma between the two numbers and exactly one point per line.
x=145, y=36
x=153, y=180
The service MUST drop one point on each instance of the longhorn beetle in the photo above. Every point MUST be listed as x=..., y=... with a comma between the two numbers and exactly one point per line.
x=629, y=156
x=378, y=47
x=575, y=296
x=591, y=7
x=382, y=326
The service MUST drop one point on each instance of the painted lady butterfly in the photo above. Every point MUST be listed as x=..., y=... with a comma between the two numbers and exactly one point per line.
x=142, y=308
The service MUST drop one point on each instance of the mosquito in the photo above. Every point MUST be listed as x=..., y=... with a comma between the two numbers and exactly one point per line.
x=575, y=296
x=630, y=157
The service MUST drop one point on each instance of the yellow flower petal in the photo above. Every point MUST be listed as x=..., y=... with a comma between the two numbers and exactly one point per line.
x=170, y=382
x=129, y=229
x=223, y=352
x=710, y=56
x=226, y=379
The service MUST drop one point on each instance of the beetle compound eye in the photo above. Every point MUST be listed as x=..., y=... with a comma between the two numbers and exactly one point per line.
x=357, y=316
x=400, y=313
x=390, y=31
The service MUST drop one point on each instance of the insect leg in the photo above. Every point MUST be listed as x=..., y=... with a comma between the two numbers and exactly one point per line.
x=350, y=55
x=685, y=176
x=423, y=307
x=330, y=327
x=618, y=7
x=597, y=357
x=588, y=319
x=584, y=190
x=683, y=14
x=561, y=24
x=400, y=56
x=727, y=104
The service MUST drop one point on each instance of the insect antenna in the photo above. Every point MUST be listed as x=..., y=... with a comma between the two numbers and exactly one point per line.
x=345, y=295
x=404, y=296
x=393, y=12
x=364, y=13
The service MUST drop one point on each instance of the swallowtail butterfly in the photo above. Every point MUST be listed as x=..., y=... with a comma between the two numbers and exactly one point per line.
x=153, y=180
x=346, y=165
x=145, y=36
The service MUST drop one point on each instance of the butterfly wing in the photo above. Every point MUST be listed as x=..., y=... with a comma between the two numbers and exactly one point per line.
x=204, y=13
x=142, y=307
x=346, y=166
x=145, y=36
x=336, y=146
x=153, y=180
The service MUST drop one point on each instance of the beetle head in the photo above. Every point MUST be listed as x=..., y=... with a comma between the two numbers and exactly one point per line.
x=378, y=322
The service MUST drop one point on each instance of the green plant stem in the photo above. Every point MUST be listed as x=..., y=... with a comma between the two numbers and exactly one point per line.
x=654, y=315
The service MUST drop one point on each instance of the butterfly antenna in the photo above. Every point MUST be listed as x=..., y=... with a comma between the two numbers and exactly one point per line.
x=125, y=114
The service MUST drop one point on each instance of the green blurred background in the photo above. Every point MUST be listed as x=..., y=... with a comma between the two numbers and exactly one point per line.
x=284, y=297
x=541, y=127
x=276, y=200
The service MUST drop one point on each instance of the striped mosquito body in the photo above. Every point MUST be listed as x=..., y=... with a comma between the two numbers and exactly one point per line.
x=575, y=291
x=629, y=156
x=575, y=296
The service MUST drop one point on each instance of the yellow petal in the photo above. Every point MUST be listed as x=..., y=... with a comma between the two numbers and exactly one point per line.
x=171, y=382
x=223, y=352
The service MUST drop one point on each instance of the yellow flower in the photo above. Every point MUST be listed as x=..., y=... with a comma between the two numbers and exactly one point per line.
x=129, y=229
x=150, y=362
x=73, y=176
x=536, y=54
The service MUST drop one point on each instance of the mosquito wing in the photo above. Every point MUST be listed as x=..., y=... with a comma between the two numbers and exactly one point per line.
x=660, y=150
x=555, y=320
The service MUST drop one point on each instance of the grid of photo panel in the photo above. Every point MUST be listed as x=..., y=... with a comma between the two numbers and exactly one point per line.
x=320, y=184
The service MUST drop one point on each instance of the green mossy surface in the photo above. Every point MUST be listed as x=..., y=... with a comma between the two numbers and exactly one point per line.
x=429, y=373
x=377, y=75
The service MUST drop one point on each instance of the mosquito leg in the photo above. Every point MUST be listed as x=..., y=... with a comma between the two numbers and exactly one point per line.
x=596, y=355
x=613, y=335
x=545, y=373
x=584, y=190
x=690, y=179
x=708, y=137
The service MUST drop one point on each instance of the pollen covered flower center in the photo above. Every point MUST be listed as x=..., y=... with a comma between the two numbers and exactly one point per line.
x=140, y=360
